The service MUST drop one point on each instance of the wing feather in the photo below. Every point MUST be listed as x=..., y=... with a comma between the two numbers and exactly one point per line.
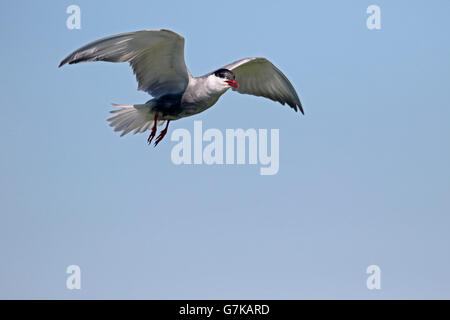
x=259, y=77
x=156, y=57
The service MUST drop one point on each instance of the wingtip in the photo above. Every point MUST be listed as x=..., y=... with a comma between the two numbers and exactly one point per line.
x=300, y=107
x=66, y=60
x=296, y=107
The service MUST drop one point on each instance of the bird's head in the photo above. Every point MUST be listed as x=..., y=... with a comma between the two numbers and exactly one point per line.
x=225, y=78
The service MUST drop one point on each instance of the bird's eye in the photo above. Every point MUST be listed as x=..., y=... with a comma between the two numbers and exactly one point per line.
x=222, y=74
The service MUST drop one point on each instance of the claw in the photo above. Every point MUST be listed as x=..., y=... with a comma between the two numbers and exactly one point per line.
x=160, y=137
x=162, y=134
x=153, y=133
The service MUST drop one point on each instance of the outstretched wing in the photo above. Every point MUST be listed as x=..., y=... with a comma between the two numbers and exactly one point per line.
x=156, y=56
x=259, y=77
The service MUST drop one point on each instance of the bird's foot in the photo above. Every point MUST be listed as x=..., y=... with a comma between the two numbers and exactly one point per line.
x=152, y=135
x=161, y=136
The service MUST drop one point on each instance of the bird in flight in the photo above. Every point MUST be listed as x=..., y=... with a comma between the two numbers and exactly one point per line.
x=157, y=59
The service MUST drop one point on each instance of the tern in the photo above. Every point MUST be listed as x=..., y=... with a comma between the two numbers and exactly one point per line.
x=157, y=60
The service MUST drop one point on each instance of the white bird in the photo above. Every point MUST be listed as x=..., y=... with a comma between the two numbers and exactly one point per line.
x=157, y=59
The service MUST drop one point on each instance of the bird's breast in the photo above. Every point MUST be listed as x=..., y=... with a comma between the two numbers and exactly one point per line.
x=198, y=98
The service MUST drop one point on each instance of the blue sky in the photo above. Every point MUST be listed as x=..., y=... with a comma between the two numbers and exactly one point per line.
x=363, y=179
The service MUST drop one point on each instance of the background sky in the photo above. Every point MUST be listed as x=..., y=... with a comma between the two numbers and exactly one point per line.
x=364, y=175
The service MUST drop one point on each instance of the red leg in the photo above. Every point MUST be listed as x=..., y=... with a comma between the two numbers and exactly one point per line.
x=153, y=133
x=162, y=134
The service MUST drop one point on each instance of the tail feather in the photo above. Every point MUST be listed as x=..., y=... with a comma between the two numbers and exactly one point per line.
x=130, y=117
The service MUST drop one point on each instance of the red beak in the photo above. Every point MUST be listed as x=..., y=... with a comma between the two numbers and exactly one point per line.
x=232, y=83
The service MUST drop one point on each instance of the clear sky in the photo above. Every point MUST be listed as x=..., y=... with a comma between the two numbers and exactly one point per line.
x=364, y=176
